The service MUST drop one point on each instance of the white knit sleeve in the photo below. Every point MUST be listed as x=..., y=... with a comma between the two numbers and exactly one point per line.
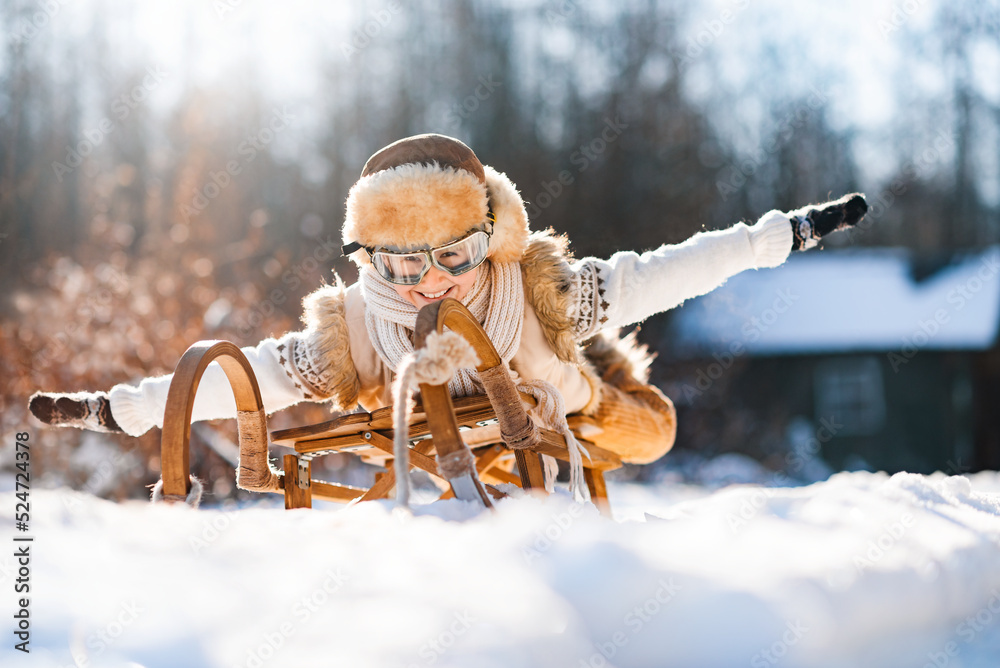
x=629, y=287
x=285, y=373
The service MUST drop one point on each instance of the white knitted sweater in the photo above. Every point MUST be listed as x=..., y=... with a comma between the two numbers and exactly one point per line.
x=625, y=289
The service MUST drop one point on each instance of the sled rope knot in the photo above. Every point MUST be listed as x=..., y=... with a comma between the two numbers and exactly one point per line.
x=550, y=410
x=254, y=473
x=456, y=464
x=434, y=364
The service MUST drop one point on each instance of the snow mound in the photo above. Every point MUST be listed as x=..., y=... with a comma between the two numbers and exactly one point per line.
x=861, y=570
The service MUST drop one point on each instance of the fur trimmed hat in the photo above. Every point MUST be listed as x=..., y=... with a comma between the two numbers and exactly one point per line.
x=423, y=191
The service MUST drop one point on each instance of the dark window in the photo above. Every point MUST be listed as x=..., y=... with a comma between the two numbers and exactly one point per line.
x=849, y=391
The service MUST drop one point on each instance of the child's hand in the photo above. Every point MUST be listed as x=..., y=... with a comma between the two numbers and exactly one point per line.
x=84, y=410
x=813, y=222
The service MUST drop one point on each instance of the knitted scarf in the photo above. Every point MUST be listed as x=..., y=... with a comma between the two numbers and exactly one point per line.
x=496, y=300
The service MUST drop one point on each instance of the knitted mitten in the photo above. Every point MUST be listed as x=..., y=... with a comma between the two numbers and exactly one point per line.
x=813, y=222
x=84, y=410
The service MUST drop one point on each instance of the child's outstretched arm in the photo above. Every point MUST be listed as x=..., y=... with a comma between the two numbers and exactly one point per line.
x=629, y=287
x=136, y=409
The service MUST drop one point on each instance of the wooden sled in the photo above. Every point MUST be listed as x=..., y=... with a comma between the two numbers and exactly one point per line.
x=439, y=427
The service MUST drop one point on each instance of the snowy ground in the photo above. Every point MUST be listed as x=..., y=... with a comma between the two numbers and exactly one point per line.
x=860, y=570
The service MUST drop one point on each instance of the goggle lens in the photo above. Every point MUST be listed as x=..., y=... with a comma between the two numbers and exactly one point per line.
x=455, y=258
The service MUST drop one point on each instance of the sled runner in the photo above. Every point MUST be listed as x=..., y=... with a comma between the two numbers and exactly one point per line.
x=462, y=443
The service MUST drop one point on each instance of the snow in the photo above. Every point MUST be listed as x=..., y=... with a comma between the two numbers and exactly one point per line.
x=860, y=570
x=848, y=300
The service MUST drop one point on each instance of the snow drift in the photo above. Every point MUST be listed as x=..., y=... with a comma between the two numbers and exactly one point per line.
x=861, y=570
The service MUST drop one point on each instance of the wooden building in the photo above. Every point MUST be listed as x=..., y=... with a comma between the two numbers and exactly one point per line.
x=891, y=366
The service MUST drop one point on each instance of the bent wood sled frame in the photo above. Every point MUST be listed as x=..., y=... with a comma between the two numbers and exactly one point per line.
x=439, y=428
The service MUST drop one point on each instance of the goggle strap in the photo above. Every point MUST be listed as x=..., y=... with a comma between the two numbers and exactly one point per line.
x=352, y=247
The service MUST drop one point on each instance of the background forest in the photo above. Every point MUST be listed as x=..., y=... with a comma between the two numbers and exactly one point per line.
x=175, y=171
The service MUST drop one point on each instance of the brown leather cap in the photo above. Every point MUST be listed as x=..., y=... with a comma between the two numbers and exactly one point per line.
x=426, y=149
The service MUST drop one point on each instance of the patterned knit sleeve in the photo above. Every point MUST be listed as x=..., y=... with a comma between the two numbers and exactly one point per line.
x=298, y=357
x=588, y=304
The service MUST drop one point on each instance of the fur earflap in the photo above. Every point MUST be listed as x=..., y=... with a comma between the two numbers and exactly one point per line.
x=510, y=233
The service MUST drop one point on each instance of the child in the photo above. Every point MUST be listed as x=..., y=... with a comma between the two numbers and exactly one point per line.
x=428, y=221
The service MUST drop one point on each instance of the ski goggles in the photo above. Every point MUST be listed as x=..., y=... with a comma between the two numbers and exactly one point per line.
x=409, y=268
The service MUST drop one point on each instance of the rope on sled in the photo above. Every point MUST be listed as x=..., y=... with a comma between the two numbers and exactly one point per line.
x=254, y=472
x=550, y=410
x=434, y=364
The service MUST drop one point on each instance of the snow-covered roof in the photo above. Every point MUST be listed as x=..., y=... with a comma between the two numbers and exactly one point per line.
x=863, y=300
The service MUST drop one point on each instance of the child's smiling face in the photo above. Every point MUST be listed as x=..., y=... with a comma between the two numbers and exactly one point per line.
x=437, y=285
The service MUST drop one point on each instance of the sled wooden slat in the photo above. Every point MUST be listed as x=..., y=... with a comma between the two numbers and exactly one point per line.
x=598, y=490
x=417, y=458
x=468, y=411
x=384, y=482
x=488, y=458
x=529, y=467
x=494, y=492
x=554, y=445
x=496, y=476
x=328, y=491
x=341, y=425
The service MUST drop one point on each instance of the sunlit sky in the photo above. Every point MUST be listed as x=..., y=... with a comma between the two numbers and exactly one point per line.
x=845, y=51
